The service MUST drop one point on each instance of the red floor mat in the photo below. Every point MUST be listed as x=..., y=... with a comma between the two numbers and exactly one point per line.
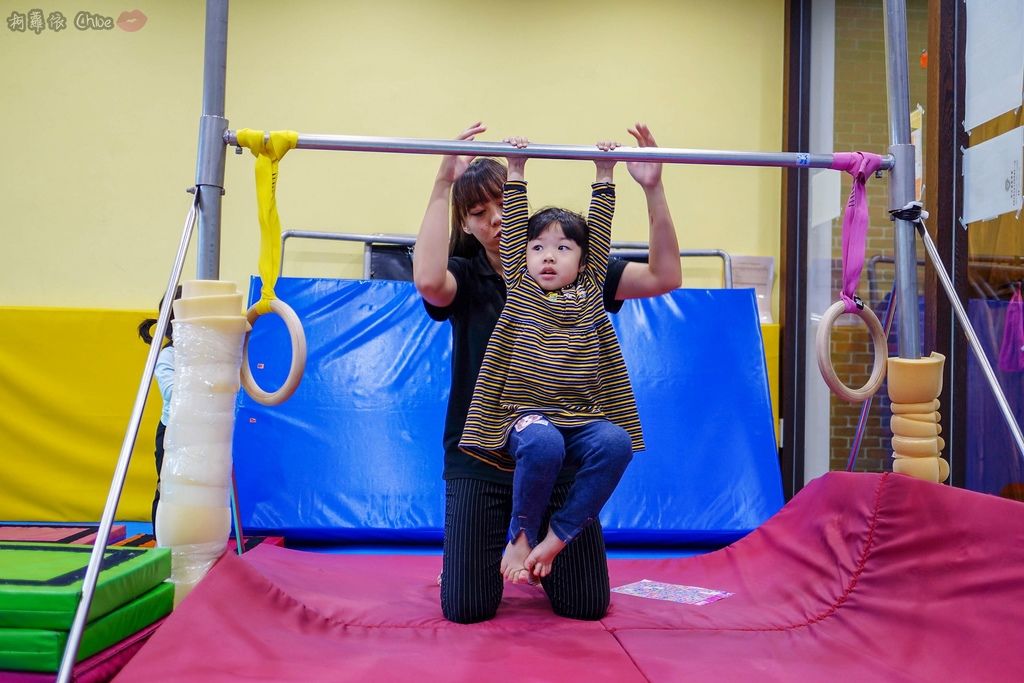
x=860, y=577
x=84, y=534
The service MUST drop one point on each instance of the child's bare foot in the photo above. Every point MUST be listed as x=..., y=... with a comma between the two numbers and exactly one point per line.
x=513, y=566
x=540, y=560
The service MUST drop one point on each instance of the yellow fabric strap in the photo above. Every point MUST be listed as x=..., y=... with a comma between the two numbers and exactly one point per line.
x=268, y=154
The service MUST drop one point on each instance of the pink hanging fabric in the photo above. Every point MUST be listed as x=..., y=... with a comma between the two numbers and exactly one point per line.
x=1011, y=351
x=860, y=165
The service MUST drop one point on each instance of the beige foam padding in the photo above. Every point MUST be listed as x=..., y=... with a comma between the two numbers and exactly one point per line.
x=203, y=306
x=206, y=404
x=190, y=563
x=193, y=288
x=189, y=494
x=193, y=517
x=918, y=447
x=228, y=325
x=919, y=468
x=934, y=418
x=943, y=470
x=915, y=380
x=208, y=464
x=208, y=378
x=190, y=524
x=210, y=428
x=922, y=408
x=928, y=469
x=902, y=426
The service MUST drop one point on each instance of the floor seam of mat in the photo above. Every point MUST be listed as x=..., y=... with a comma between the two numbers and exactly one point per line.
x=626, y=652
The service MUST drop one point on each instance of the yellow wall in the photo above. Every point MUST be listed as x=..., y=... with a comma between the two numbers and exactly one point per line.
x=102, y=124
x=69, y=378
x=101, y=145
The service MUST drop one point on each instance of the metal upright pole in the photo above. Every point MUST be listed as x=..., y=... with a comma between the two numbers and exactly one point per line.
x=210, y=161
x=92, y=570
x=212, y=126
x=901, y=177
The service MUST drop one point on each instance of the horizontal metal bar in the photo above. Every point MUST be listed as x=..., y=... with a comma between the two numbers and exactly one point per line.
x=359, y=143
x=376, y=238
x=976, y=261
x=642, y=249
x=620, y=249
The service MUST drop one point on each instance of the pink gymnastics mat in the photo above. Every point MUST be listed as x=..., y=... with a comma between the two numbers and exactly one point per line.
x=84, y=534
x=860, y=577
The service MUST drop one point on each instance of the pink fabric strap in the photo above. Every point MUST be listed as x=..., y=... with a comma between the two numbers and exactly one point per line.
x=1011, y=350
x=860, y=165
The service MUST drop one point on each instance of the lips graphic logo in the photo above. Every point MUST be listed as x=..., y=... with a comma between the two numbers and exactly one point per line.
x=131, y=21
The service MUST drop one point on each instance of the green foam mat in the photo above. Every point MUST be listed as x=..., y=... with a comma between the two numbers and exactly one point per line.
x=29, y=649
x=40, y=583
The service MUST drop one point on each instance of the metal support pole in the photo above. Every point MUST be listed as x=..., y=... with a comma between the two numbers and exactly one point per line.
x=367, y=259
x=92, y=572
x=360, y=143
x=212, y=152
x=972, y=338
x=210, y=162
x=901, y=178
x=236, y=516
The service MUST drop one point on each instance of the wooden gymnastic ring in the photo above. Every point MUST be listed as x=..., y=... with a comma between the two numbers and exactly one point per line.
x=824, y=348
x=298, y=337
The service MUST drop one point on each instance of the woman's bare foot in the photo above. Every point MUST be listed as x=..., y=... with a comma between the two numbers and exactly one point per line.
x=513, y=566
x=540, y=560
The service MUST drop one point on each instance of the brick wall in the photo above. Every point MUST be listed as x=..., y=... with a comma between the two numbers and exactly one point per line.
x=861, y=124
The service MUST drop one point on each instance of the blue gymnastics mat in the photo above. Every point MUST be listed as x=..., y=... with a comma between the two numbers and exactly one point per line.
x=355, y=454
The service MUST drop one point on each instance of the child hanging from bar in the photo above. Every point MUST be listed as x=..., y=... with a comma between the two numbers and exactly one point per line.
x=553, y=389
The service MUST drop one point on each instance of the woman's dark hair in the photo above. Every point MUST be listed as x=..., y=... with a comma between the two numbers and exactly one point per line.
x=574, y=227
x=146, y=326
x=481, y=183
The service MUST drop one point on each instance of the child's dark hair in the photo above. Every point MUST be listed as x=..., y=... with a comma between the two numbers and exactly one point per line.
x=146, y=326
x=574, y=227
x=481, y=183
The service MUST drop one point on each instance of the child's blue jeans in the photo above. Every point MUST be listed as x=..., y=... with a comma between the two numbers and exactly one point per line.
x=600, y=452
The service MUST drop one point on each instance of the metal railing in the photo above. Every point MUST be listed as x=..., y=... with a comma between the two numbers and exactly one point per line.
x=1009, y=263
x=626, y=250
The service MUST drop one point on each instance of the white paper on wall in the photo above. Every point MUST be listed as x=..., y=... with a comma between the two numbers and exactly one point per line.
x=757, y=272
x=992, y=182
x=825, y=202
x=994, y=59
